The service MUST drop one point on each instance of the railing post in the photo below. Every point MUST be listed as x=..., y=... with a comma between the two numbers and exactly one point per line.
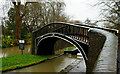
x=69, y=29
x=80, y=33
x=62, y=30
x=73, y=30
x=87, y=38
x=58, y=30
x=83, y=34
x=78, y=30
x=65, y=28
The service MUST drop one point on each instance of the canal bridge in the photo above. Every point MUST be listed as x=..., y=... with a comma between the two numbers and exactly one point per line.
x=97, y=45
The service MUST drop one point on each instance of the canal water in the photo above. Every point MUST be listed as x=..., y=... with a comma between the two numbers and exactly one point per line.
x=14, y=50
x=54, y=65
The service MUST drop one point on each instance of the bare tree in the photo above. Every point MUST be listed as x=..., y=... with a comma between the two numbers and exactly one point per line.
x=18, y=16
x=111, y=12
x=88, y=22
x=42, y=13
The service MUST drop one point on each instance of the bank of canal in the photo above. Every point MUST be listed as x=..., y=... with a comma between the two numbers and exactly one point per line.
x=54, y=65
x=20, y=61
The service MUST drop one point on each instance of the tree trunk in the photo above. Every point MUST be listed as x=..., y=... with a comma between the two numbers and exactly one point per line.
x=18, y=21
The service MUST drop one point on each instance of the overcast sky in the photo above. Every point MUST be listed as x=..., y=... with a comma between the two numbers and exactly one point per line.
x=76, y=9
x=82, y=9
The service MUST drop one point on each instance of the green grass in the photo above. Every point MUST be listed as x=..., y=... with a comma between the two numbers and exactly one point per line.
x=62, y=50
x=19, y=60
x=70, y=48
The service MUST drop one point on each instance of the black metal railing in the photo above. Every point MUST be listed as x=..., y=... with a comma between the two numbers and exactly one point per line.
x=75, y=31
x=114, y=31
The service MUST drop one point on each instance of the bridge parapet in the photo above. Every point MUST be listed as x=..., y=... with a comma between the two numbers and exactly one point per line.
x=103, y=46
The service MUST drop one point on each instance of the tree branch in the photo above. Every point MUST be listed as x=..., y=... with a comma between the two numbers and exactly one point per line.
x=13, y=1
x=108, y=21
x=25, y=9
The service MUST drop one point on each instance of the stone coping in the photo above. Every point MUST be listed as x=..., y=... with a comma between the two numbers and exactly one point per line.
x=107, y=59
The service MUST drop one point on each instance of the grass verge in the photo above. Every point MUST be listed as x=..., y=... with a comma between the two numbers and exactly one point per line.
x=62, y=50
x=19, y=60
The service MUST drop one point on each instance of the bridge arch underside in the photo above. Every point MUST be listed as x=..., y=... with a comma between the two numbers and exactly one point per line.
x=45, y=44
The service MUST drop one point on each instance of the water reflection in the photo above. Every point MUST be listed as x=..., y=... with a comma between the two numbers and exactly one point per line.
x=54, y=65
x=14, y=50
x=78, y=56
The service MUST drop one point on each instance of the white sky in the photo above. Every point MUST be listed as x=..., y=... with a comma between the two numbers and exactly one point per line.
x=82, y=9
x=77, y=9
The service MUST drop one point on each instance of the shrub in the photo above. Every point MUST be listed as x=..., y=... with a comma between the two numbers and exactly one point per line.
x=9, y=42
